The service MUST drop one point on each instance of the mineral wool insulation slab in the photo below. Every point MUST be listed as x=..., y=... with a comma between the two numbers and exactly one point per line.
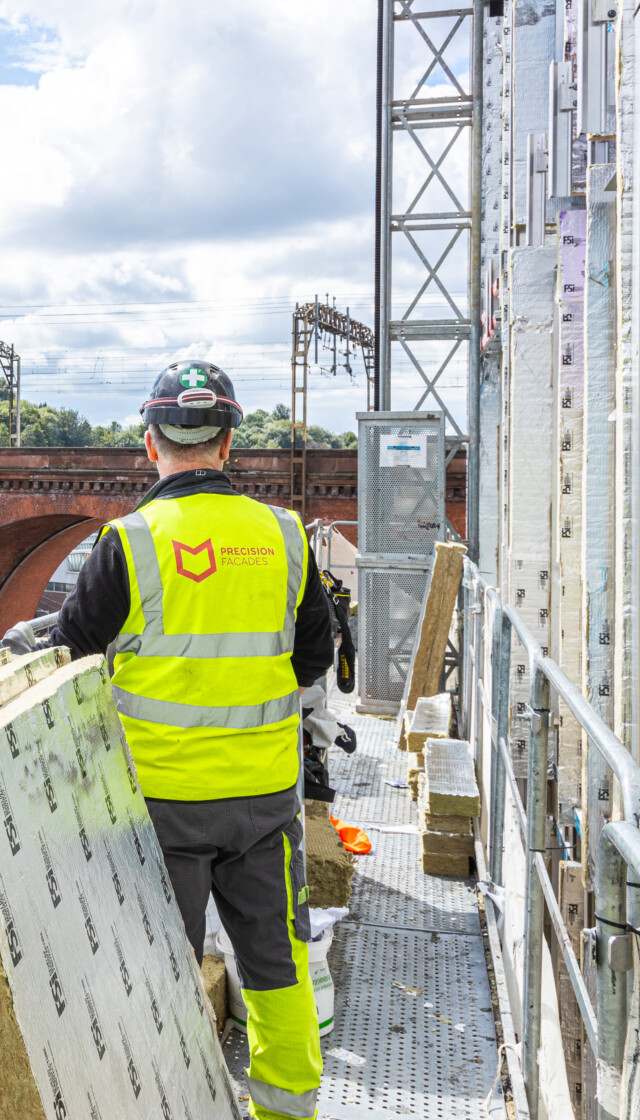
x=450, y=788
x=431, y=719
x=102, y=980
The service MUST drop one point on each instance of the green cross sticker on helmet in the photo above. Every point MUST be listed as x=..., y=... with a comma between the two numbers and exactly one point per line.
x=193, y=378
x=193, y=393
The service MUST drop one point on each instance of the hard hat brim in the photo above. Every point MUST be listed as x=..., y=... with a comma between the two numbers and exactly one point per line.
x=166, y=412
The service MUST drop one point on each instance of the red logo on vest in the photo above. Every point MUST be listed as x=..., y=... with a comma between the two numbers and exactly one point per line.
x=198, y=577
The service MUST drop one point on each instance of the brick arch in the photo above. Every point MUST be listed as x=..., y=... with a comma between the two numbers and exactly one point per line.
x=53, y=497
x=23, y=588
x=50, y=500
x=35, y=540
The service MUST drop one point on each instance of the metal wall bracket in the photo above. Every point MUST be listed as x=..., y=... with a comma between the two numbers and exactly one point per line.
x=563, y=100
x=539, y=718
x=603, y=11
x=593, y=87
x=538, y=165
x=620, y=953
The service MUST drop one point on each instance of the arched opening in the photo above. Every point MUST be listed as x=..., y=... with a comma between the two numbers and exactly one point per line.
x=22, y=590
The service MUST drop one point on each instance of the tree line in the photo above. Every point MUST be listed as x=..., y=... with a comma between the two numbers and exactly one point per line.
x=42, y=425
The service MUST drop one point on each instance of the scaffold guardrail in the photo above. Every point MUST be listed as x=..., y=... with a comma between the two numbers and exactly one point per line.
x=488, y=628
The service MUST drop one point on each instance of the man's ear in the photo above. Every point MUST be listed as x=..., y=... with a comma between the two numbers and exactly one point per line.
x=150, y=446
x=225, y=446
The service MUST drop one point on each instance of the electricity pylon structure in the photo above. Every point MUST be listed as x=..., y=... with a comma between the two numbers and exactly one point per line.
x=10, y=366
x=429, y=210
x=315, y=323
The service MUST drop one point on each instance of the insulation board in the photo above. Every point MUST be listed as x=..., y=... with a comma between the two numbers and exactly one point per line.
x=571, y=899
x=455, y=865
x=461, y=826
x=533, y=51
x=432, y=634
x=101, y=978
x=447, y=843
x=533, y=286
x=20, y=673
x=431, y=719
x=572, y=230
x=599, y=486
x=329, y=867
x=451, y=788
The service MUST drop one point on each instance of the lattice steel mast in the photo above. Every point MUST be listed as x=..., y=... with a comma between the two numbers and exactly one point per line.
x=441, y=217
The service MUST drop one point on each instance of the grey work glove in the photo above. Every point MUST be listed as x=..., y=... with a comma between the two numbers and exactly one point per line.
x=20, y=639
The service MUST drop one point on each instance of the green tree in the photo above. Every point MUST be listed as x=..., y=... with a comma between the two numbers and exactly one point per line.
x=46, y=426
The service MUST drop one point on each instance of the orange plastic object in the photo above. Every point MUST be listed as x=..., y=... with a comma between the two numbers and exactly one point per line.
x=354, y=839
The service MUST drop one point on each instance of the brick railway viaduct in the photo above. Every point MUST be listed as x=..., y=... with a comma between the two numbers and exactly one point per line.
x=52, y=498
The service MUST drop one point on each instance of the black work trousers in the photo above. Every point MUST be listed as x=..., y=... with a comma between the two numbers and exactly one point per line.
x=247, y=852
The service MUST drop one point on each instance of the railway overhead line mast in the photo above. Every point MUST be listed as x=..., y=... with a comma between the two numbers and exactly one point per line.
x=324, y=327
x=10, y=367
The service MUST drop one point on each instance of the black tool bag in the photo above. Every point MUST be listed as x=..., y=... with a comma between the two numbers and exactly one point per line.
x=340, y=600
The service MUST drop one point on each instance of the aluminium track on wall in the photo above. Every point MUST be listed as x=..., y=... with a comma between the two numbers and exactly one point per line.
x=412, y=994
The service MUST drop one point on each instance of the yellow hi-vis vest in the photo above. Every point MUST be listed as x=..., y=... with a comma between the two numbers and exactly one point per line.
x=203, y=679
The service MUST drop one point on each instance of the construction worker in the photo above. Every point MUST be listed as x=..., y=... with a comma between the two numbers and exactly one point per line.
x=218, y=616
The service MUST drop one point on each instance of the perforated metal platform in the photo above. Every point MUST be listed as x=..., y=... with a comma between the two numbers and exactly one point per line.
x=412, y=995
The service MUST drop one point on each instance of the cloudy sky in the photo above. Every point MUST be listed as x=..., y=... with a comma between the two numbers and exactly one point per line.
x=175, y=177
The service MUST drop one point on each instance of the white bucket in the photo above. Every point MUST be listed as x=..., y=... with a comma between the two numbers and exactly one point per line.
x=322, y=982
x=318, y=969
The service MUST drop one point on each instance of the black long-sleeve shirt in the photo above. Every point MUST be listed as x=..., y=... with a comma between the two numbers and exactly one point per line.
x=94, y=613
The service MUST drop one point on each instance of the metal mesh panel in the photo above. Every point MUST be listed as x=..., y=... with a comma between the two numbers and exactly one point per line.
x=401, y=485
x=390, y=602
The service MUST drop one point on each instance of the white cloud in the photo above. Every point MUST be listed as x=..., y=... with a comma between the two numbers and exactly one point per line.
x=173, y=152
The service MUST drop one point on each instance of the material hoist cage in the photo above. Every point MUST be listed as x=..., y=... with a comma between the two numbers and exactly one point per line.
x=401, y=514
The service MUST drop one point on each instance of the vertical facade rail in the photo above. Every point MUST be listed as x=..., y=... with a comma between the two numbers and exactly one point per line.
x=475, y=282
x=534, y=913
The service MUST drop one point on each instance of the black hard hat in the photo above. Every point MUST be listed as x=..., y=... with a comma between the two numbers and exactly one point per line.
x=193, y=394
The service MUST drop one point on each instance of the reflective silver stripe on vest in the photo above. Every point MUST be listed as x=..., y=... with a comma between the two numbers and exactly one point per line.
x=204, y=645
x=145, y=562
x=294, y=549
x=155, y=643
x=173, y=714
x=300, y=1105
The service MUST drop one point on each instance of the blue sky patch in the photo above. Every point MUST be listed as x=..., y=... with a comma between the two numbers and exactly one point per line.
x=23, y=54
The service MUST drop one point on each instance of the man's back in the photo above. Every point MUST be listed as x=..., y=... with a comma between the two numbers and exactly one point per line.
x=203, y=675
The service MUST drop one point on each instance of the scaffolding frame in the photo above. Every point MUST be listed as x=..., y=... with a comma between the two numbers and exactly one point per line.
x=422, y=120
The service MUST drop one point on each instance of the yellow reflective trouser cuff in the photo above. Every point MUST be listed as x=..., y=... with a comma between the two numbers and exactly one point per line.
x=267, y=1102
x=283, y=1034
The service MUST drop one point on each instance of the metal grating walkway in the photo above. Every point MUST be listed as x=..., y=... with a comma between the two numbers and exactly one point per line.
x=412, y=995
